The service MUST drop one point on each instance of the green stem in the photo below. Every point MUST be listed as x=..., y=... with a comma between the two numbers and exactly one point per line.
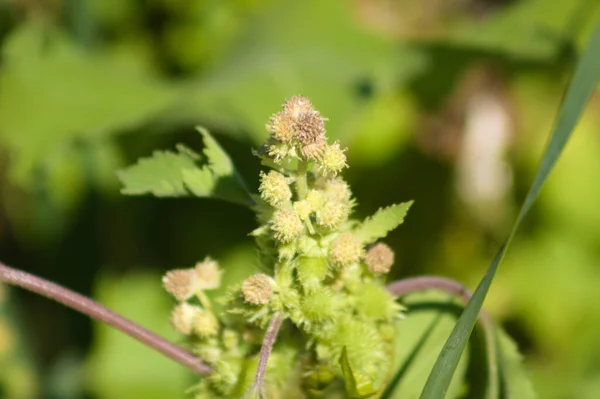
x=301, y=183
x=302, y=189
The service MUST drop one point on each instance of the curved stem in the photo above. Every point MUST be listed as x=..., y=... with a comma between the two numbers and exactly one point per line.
x=265, y=351
x=423, y=283
x=99, y=312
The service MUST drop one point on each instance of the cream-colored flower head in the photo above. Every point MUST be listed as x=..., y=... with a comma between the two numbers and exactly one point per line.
x=274, y=188
x=379, y=258
x=257, y=289
x=346, y=249
x=205, y=324
x=182, y=317
x=184, y=283
x=333, y=159
x=286, y=225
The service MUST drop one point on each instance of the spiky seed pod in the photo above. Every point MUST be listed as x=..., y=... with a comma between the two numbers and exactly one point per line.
x=338, y=189
x=346, y=249
x=257, y=289
x=208, y=274
x=205, y=324
x=297, y=105
x=311, y=272
x=274, y=188
x=310, y=128
x=303, y=209
x=375, y=302
x=281, y=126
x=379, y=258
x=181, y=283
x=318, y=305
x=182, y=317
x=332, y=213
x=286, y=225
x=333, y=159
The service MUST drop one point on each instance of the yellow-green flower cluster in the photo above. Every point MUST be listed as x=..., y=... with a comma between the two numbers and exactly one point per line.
x=318, y=271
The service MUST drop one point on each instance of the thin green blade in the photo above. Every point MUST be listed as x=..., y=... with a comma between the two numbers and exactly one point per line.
x=580, y=89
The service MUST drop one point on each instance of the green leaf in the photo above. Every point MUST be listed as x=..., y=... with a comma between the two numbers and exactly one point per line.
x=382, y=222
x=53, y=93
x=354, y=387
x=430, y=317
x=161, y=175
x=178, y=174
x=582, y=86
x=514, y=380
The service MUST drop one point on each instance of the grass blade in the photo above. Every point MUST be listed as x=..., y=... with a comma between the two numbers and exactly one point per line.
x=580, y=89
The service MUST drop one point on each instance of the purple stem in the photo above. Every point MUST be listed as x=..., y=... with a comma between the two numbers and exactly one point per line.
x=265, y=351
x=99, y=312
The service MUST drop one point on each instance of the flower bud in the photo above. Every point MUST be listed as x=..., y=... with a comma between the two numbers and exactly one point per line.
x=184, y=283
x=297, y=105
x=281, y=126
x=208, y=274
x=274, y=188
x=303, y=209
x=310, y=128
x=180, y=283
x=379, y=258
x=316, y=199
x=333, y=159
x=338, y=189
x=205, y=324
x=314, y=151
x=287, y=225
x=182, y=317
x=332, y=213
x=346, y=249
x=257, y=289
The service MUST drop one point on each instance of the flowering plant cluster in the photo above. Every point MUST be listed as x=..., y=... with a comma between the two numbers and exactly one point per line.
x=322, y=279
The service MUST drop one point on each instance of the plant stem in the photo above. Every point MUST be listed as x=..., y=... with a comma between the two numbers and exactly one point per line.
x=99, y=312
x=301, y=183
x=265, y=351
x=302, y=189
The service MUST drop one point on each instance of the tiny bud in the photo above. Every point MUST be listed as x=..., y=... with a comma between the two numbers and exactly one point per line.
x=230, y=339
x=297, y=105
x=338, y=189
x=333, y=212
x=379, y=258
x=205, y=324
x=303, y=209
x=181, y=283
x=334, y=159
x=346, y=249
x=257, y=289
x=208, y=274
x=287, y=225
x=281, y=126
x=182, y=317
x=315, y=198
x=274, y=188
x=314, y=151
x=310, y=128
x=278, y=151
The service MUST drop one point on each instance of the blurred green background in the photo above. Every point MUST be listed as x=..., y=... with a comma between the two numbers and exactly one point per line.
x=447, y=102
